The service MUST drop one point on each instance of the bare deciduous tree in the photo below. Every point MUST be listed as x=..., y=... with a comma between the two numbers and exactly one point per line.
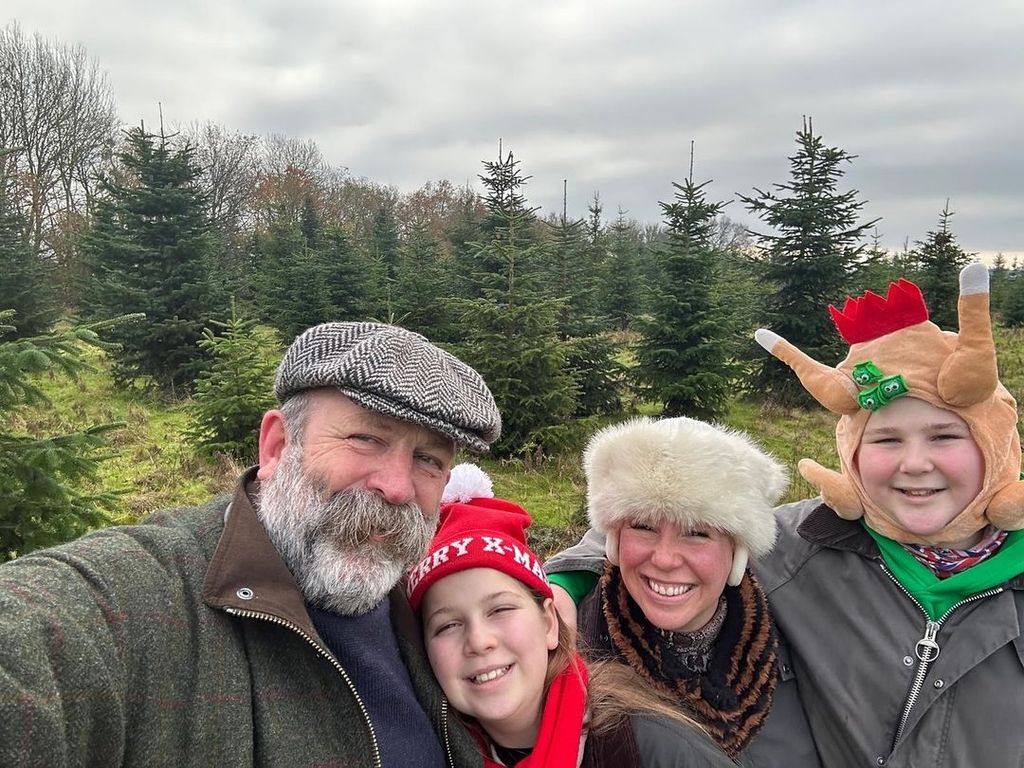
x=57, y=108
x=230, y=161
x=292, y=173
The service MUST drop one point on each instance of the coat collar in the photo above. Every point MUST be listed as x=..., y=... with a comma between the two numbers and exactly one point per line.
x=823, y=526
x=246, y=572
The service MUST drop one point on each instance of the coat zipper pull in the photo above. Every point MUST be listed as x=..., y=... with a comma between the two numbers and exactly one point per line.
x=927, y=645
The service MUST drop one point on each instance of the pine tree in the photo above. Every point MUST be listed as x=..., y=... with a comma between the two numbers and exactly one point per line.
x=509, y=333
x=423, y=283
x=42, y=501
x=620, y=298
x=234, y=391
x=1012, y=305
x=149, y=252
x=26, y=281
x=809, y=258
x=290, y=284
x=682, y=356
x=940, y=260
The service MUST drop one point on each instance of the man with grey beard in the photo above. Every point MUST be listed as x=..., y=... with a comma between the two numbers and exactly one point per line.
x=264, y=628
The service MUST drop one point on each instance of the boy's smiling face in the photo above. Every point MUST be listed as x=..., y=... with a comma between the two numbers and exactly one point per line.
x=921, y=466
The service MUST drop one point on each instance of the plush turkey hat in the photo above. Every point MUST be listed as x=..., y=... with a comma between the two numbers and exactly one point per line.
x=956, y=372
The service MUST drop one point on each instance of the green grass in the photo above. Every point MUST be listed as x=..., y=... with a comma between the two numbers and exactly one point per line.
x=156, y=468
x=149, y=461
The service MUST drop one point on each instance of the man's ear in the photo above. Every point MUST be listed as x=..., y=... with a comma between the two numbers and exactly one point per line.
x=273, y=441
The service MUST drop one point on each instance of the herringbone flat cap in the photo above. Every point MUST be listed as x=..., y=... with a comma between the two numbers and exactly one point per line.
x=395, y=372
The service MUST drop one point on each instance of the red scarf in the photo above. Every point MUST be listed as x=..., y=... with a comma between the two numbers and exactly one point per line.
x=561, y=723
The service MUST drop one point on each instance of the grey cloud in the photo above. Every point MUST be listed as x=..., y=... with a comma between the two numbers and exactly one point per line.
x=603, y=93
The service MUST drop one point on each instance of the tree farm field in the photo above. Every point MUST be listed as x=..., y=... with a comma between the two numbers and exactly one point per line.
x=153, y=467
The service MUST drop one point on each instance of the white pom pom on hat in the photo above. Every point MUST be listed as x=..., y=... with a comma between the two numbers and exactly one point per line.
x=467, y=481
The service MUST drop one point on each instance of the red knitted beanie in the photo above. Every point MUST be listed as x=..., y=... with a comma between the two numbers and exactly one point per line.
x=478, y=532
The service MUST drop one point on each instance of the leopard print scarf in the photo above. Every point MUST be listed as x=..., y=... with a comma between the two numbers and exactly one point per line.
x=732, y=696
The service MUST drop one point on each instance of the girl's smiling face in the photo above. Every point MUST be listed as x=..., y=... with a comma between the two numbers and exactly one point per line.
x=488, y=642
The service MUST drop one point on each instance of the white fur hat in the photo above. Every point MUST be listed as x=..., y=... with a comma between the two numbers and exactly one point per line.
x=684, y=471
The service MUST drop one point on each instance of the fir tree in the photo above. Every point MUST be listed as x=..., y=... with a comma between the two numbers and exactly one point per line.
x=354, y=282
x=42, y=501
x=682, y=355
x=998, y=277
x=575, y=265
x=516, y=350
x=572, y=268
x=810, y=256
x=149, y=252
x=509, y=333
x=462, y=234
x=1012, y=305
x=596, y=266
x=291, y=285
x=875, y=269
x=385, y=242
x=508, y=256
x=423, y=284
x=620, y=298
x=234, y=391
x=310, y=223
x=598, y=377
x=298, y=286
x=940, y=260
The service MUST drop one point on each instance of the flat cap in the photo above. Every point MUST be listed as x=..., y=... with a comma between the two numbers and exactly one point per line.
x=395, y=372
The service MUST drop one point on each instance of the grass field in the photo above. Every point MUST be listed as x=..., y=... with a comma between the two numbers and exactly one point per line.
x=155, y=468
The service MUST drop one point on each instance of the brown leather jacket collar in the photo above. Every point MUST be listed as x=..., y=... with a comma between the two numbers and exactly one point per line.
x=246, y=572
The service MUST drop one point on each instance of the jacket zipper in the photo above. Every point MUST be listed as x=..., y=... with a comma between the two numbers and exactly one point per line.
x=927, y=648
x=320, y=650
x=444, y=729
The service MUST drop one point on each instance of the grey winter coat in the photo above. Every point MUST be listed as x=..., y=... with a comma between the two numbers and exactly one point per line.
x=852, y=632
x=183, y=642
x=658, y=742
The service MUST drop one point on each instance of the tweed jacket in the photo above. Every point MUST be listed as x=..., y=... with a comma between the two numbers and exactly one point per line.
x=184, y=641
x=853, y=634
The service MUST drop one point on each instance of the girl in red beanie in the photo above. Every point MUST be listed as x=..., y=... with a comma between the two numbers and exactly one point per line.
x=509, y=666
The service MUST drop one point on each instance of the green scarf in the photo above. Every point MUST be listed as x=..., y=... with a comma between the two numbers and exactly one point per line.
x=937, y=595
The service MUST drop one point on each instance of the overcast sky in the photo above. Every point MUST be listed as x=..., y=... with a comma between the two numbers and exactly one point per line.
x=608, y=95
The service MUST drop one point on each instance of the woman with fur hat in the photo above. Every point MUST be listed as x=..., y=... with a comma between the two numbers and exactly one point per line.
x=508, y=664
x=684, y=505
